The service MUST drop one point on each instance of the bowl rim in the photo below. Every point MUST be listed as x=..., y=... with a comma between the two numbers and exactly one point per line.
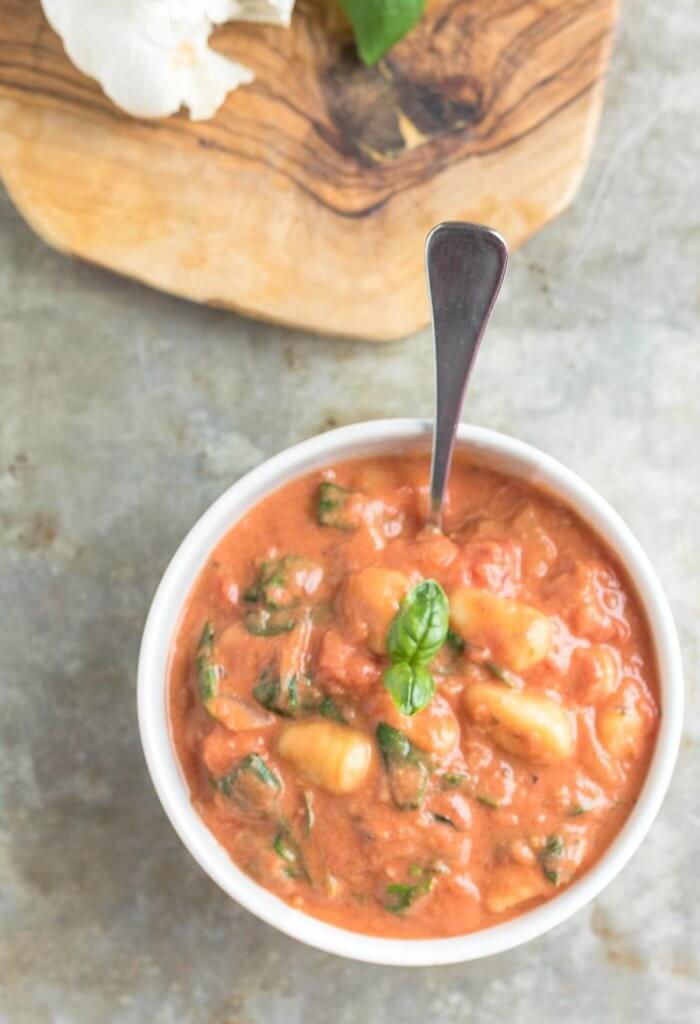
x=491, y=448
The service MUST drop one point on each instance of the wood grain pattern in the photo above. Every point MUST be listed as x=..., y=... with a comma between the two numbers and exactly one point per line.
x=307, y=198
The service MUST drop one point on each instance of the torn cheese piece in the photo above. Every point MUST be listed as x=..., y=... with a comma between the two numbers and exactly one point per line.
x=152, y=57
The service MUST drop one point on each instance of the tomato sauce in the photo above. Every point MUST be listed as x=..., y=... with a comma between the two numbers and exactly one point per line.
x=541, y=705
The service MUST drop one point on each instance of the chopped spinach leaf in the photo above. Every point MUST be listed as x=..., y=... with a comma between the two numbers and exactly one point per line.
x=401, y=897
x=453, y=780
x=278, y=586
x=554, y=847
x=208, y=675
x=208, y=671
x=206, y=640
x=406, y=767
x=278, y=590
x=443, y=819
x=334, y=507
x=294, y=697
x=262, y=622
x=290, y=698
x=550, y=853
x=287, y=849
x=252, y=785
x=329, y=709
x=502, y=674
x=487, y=801
x=455, y=641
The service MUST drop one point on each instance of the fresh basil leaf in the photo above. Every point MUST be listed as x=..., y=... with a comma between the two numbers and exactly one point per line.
x=419, y=629
x=411, y=686
x=379, y=24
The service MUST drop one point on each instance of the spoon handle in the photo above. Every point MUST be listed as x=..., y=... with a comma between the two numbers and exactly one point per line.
x=464, y=264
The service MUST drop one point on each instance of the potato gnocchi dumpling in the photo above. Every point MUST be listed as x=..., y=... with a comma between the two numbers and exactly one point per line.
x=330, y=755
x=435, y=729
x=530, y=726
x=370, y=601
x=596, y=670
x=410, y=732
x=515, y=635
x=620, y=728
x=513, y=884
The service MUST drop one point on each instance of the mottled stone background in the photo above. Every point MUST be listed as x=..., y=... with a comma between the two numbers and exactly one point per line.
x=124, y=413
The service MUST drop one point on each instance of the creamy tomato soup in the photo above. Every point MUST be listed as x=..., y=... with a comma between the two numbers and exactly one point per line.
x=406, y=732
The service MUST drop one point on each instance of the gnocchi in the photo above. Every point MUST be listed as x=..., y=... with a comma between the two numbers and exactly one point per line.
x=530, y=726
x=237, y=714
x=515, y=635
x=327, y=754
x=434, y=730
x=596, y=673
x=370, y=601
x=512, y=884
x=620, y=730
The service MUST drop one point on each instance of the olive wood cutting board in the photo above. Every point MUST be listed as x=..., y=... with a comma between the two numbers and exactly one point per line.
x=307, y=198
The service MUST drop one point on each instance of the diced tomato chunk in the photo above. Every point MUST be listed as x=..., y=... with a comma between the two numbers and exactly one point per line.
x=589, y=598
x=222, y=749
x=494, y=565
x=345, y=664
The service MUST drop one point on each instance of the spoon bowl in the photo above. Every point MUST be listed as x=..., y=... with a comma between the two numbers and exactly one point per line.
x=465, y=265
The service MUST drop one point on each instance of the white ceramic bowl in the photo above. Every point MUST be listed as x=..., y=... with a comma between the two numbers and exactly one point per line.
x=390, y=436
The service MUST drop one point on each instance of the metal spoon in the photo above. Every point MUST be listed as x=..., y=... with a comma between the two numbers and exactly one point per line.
x=464, y=264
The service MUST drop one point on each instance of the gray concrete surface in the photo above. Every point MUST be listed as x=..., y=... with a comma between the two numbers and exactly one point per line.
x=124, y=413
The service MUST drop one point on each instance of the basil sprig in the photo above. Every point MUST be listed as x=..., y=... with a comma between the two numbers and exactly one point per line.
x=378, y=24
x=416, y=634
